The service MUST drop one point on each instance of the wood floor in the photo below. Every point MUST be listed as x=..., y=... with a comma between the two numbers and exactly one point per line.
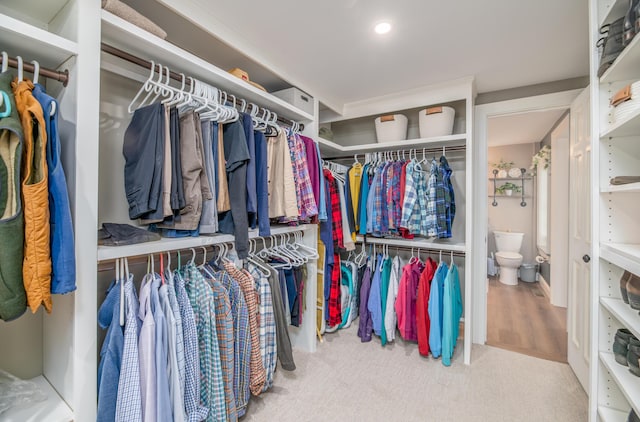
x=521, y=319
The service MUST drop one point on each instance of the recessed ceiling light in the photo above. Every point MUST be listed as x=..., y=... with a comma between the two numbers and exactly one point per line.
x=382, y=28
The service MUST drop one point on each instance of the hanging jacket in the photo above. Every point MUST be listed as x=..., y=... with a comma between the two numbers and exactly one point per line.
x=451, y=313
x=422, y=306
x=63, y=258
x=13, y=298
x=435, y=309
x=36, y=268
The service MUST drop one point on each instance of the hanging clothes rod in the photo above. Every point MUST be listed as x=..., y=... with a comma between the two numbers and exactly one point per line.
x=174, y=75
x=423, y=151
x=61, y=76
x=413, y=248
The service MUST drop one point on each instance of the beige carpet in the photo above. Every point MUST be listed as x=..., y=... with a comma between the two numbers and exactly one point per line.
x=346, y=380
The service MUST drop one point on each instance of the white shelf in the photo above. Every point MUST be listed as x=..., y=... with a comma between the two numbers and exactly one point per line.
x=33, y=43
x=623, y=313
x=435, y=142
x=629, y=126
x=53, y=409
x=628, y=383
x=608, y=414
x=627, y=64
x=506, y=179
x=624, y=255
x=629, y=188
x=415, y=243
x=123, y=35
x=106, y=253
x=515, y=195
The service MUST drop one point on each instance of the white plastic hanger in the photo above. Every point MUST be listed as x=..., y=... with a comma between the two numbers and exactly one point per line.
x=20, y=69
x=5, y=61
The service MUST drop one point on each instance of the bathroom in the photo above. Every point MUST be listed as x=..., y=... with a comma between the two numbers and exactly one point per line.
x=524, y=312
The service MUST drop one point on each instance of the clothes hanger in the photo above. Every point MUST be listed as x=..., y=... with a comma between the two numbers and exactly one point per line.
x=193, y=256
x=5, y=61
x=20, y=69
x=120, y=286
x=451, y=258
x=153, y=85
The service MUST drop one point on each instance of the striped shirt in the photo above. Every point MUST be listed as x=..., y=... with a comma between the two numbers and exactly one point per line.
x=268, y=346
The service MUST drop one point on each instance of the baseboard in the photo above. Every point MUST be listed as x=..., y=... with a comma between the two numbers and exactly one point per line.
x=544, y=286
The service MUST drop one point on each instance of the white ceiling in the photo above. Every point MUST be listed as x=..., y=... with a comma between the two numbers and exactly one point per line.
x=523, y=128
x=328, y=48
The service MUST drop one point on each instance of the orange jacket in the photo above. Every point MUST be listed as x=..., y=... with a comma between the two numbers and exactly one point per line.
x=36, y=268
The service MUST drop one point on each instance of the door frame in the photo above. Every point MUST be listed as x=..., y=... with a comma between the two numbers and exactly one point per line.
x=558, y=100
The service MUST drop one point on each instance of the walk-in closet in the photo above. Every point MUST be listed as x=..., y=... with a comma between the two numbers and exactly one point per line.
x=214, y=211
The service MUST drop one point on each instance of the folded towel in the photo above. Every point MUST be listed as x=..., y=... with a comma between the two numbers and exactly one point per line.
x=624, y=180
x=127, y=13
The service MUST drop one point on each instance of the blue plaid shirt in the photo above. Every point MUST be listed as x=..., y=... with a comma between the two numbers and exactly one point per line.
x=449, y=197
x=410, y=200
x=212, y=385
x=242, y=341
x=195, y=412
x=129, y=400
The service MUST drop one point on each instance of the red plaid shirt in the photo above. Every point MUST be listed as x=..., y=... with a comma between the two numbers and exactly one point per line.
x=335, y=306
x=336, y=211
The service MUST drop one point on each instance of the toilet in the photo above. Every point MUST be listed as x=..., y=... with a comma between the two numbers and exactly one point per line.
x=508, y=255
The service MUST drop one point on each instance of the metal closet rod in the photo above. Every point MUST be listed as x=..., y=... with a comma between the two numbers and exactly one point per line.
x=414, y=248
x=110, y=264
x=423, y=151
x=62, y=76
x=174, y=75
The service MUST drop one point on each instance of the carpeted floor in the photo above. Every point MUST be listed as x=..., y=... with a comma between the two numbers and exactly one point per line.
x=346, y=380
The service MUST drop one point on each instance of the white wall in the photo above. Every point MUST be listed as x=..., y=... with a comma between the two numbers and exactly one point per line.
x=509, y=215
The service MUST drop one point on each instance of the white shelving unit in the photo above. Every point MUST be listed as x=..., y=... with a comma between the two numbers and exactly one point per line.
x=354, y=133
x=106, y=253
x=616, y=229
x=123, y=35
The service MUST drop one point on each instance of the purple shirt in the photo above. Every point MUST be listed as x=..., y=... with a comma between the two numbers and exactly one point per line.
x=365, y=327
x=312, y=163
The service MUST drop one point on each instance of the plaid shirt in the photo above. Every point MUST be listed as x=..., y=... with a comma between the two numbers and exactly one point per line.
x=408, y=221
x=175, y=310
x=420, y=210
x=128, y=402
x=224, y=328
x=244, y=279
x=307, y=206
x=436, y=208
x=202, y=302
x=394, y=206
x=335, y=304
x=242, y=345
x=449, y=197
x=195, y=412
x=268, y=346
x=336, y=211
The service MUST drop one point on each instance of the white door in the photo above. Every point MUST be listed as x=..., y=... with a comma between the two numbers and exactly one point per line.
x=578, y=309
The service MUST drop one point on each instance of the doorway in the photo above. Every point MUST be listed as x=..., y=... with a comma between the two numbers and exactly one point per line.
x=524, y=197
x=482, y=114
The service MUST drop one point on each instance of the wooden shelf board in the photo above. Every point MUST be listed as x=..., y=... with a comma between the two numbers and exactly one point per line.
x=628, y=188
x=435, y=142
x=629, y=384
x=33, y=43
x=121, y=34
x=53, y=409
x=607, y=414
x=106, y=253
x=623, y=313
x=415, y=243
x=624, y=255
